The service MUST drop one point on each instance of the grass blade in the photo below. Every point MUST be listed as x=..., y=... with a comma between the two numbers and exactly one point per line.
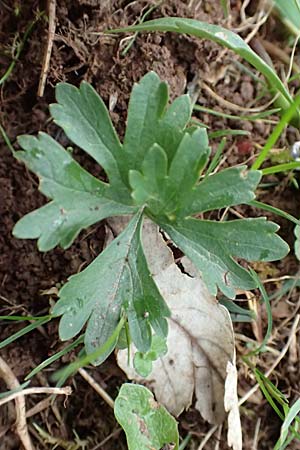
x=55, y=357
x=274, y=136
x=61, y=375
x=13, y=391
x=25, y=330
x=227, y=39
x=293, y=412
x=215, y=161
x=274, y=210
x=222, y=133
x=289, y=13
x=266, y=300
x=251, y=117
x=281, y=168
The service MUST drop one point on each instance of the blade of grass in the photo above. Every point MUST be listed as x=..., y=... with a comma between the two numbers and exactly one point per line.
x=20, y=47
x=250, y=117
x=215, y=161
x=143, y=18
x=266, y=300
x=289, y=13
x=281, y=168
x=274, y=210
x=25, y=330
x=222, y=133
x=22, y=318
x=227, y=39
x=293, y=412
x=185, y=442
x=266, y=393
x=274, y=136
x=55, y=357
x=7, y=140
x=13, y=391
x=63, y=374
x=243, y=68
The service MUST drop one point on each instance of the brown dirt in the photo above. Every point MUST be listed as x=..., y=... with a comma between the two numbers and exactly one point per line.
x=80, y=53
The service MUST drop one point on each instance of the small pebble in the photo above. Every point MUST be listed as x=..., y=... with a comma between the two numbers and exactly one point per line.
x=295, y=151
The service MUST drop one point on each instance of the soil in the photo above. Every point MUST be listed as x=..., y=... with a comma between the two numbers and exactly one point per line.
x=81, y=51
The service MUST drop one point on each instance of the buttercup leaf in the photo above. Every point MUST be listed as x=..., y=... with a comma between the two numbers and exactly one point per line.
x=167, y=191
x=79, y=199
x=211, y=246
x=230, y=187
x=84, y=118
x=118, y=279
x=149, y=121
x=146, y=423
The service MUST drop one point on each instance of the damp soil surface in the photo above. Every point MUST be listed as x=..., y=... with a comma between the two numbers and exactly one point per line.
x=29, y=279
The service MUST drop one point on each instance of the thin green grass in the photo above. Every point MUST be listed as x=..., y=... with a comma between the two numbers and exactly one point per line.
x=266, y=300
x=7, y=140
x=55, y=357
x=63, y=374
x=279, y=403
x=37, y=323
x=13, y=391
x=20, y=48
x=223, y=133
x=289, y=13
x=216, y=159
x=275, y=135
x=251, y=117
x=227, y=39
x=281, y=168
x=276, y=211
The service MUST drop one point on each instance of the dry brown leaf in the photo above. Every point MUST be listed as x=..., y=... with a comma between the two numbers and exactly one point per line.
x=200, y=339
x=231, y=402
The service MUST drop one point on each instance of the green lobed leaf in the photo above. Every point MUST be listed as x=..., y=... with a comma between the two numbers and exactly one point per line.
x=117, y=279
x=151, y=187
x=167, y=191
x=150, y=121
x=147, y=424
x=83, y=116
x=190, y=159
x=211, y=246
x=143, y=361
x=229, y=187
x=79, y=199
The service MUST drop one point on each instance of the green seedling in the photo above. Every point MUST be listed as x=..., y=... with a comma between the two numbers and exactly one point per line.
x=157, y=172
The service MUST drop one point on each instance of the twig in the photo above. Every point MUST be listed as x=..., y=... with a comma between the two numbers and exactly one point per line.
x=276, y=362
x=37, y=390
x=256, y=433
x=39, y=407
x=279, y=53
x=207, y=437
x=21, y=425
x=233, y=106
x=262, y=18
x=97, y=387
x=105, y=440
x=49, y=45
